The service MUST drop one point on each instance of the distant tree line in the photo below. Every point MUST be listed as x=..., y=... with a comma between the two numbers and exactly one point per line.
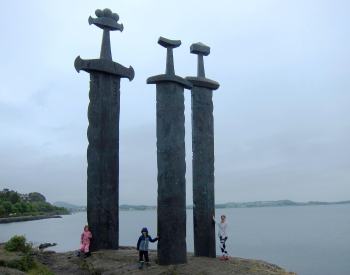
x=13, y=203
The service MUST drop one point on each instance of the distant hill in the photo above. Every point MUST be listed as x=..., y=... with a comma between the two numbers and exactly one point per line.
x=136, y=207
x=279, y=203
x=71, y=207
x=76, y=208
x=274, y=204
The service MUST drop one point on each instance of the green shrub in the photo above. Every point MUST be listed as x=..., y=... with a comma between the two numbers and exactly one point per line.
x=18, y=243
x=25, y=263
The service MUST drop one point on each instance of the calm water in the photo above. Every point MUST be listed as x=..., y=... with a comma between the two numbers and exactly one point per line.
x=312, y=240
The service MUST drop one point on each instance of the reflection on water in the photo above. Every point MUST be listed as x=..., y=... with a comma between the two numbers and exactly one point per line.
x=311, y=240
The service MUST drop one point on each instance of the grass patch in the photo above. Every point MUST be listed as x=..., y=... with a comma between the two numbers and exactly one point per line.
x=89, y=267
x=24, y=263
x=39, y=269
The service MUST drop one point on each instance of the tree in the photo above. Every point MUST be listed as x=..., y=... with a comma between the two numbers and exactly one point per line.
x=21, y=207
x=2, y=211
x=17, y=207
x=7, y=206
x=14, y=197
x=36, y=197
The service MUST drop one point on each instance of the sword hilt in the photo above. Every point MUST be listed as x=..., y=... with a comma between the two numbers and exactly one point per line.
x=108, y=21
x=201, y=50
x=169, y=45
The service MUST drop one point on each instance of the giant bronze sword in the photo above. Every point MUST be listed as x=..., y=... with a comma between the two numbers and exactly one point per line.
x=203, y=156
x=171, y=162
x=103, y=136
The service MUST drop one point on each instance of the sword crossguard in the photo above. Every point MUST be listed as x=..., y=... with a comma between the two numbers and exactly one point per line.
x=106, y=66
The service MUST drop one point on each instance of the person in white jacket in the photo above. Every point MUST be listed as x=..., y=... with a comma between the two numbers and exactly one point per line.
x=222, y=226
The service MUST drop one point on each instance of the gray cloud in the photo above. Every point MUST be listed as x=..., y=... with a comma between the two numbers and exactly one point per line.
x=281, y=113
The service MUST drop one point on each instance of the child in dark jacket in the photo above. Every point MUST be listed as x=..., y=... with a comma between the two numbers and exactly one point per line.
x=142, y=246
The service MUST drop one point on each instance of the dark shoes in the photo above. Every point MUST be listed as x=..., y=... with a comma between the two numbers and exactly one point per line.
x=142, y=263
x=85, y=255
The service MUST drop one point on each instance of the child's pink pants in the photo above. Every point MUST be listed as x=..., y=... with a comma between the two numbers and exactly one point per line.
x=85, y=247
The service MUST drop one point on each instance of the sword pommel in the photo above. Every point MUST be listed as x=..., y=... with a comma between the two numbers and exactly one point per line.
x=200, y=48
x=168, y=43
x=106, y=20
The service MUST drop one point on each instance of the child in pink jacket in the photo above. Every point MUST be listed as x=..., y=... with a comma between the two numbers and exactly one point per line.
x=85, y=241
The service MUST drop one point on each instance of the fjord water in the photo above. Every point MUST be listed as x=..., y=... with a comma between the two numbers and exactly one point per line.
x=309, y=240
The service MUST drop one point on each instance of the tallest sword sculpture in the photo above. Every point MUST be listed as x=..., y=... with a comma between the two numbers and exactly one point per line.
x=103, y=136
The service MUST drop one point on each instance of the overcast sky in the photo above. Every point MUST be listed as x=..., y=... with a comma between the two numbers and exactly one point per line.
x=282, y=116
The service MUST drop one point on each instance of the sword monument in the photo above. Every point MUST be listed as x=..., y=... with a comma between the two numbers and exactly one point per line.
x=171, y=160
x=103, y=136
x=203, y=156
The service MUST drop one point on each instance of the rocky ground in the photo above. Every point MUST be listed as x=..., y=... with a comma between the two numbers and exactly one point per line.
x=124, y=261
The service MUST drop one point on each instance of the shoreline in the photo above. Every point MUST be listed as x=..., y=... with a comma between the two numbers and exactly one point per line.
x=28, y=218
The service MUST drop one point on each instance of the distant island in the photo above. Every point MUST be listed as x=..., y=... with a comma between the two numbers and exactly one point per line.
x=15, y=207
x=14, y=204
x=69, y=206
x=278, y=203
x=275, y=204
